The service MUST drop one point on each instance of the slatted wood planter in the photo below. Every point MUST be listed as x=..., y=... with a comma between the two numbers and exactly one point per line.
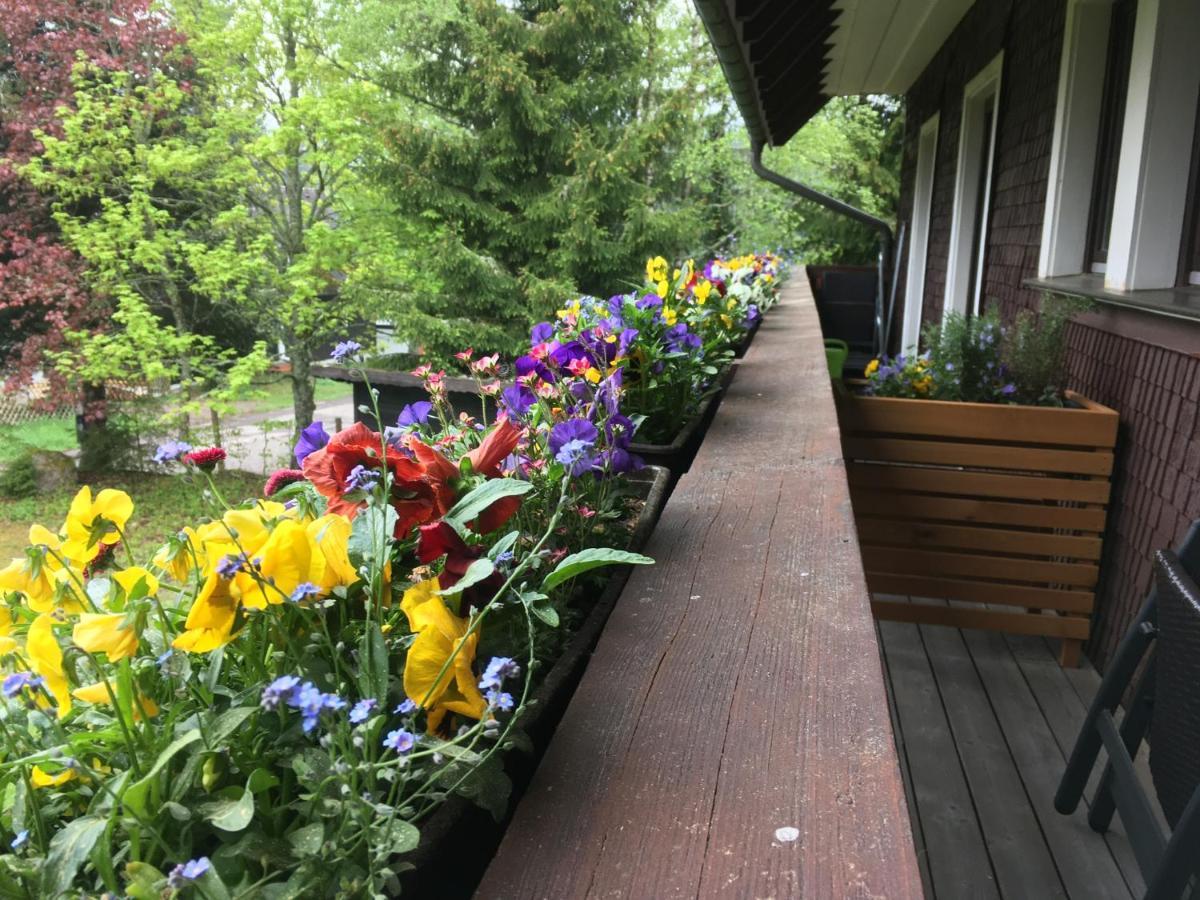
x=1001, y=507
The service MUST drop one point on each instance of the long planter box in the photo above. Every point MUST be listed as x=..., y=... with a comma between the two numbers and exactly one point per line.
x=999, y=509
x=677, y=455
x=459, y=839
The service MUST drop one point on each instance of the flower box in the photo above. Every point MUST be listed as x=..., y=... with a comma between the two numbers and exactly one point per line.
x=744, y=344
x=999, y=507
x=677, y=455
x=459, y=839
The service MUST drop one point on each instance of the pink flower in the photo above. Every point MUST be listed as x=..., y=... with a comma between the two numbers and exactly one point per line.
x=465, y=355
x=281, y=478
x=422, y=371
x=206, y=459
x=586, y=512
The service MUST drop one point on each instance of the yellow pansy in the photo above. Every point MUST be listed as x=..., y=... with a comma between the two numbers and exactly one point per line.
x=701, y=291
x=45, y=658
x=176, y=559
x=98, y=694
x=726, y=321
x=439, y=633
x=105, y=633
x=656, y=269
x=593, y=375
x=872, y=367
x=331, y=534
x=129, y=579
x=287, y=562
x=661, y=288
x=210, y=621
x=39, y=778
x=669, y=315
x=38, y=590
x=111, y=506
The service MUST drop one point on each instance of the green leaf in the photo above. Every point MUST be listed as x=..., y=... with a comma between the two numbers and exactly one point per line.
x=307, y=841
x=397, y=837
x=141, y=880
x=503, y=545
x=227, y=723
x=372, y=526
x=373, y=663
x=136, y=794
x=585, y=560
x=479, y=499
x=68, y=849
x=477, y=571
x=261, y=780
x=547, y=614
x=229, y=814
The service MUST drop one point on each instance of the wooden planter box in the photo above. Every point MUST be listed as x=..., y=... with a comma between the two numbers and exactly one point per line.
x=1000, y=508
x=459, y=839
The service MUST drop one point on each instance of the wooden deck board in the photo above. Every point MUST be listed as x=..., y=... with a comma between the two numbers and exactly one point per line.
x=994, y=717
x=737, y=688
x=951, y=841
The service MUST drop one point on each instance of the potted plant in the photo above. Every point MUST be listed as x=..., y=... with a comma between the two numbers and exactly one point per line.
x=977, y=478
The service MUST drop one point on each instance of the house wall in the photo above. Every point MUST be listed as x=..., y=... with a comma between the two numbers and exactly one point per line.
x=1142, y=364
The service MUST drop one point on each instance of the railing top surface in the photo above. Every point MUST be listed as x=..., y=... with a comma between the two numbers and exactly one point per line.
x=731, y=735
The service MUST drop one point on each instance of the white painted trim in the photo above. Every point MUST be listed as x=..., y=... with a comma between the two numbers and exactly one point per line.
x=1073, y=151
x=918, y=247
x=1156, y=142
x=980, y=91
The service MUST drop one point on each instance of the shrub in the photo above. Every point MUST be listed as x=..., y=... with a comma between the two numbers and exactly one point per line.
x=1035, y=350
x=19, y=479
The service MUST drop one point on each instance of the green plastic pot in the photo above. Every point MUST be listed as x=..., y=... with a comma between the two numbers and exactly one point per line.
x=836, y=352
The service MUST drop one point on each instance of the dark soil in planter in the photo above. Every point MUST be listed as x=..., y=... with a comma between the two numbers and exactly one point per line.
x=460, y=838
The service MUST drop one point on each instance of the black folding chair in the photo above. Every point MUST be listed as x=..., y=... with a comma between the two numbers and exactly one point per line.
x=1166, y=702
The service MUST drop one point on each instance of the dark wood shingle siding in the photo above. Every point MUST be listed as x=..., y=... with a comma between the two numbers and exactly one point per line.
x=1145, y=367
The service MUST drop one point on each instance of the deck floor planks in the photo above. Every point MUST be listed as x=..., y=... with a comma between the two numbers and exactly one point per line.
x=1064, y=711
x=1084, y=861
x=1036, y=707
x=951, y=842
x=1022, y=862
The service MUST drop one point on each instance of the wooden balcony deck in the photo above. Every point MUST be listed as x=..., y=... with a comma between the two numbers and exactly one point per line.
x=984, y=723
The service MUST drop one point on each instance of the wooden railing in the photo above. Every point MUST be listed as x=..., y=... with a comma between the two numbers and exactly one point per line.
x=731, y=735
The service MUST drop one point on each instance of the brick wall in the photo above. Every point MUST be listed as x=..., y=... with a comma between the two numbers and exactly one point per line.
x=1144, y=366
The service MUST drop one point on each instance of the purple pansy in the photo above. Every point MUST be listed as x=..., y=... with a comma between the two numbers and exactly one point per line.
x=649, y=301
x=541, y=333
x=571, y=443
x=517, y=399
x=312, y=439
x=414, y=415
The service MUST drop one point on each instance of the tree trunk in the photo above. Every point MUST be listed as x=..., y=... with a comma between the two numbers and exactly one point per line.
x=91, y=429
x=304, y=402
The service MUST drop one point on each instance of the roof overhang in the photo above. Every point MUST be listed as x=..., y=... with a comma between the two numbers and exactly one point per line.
x=784, y=58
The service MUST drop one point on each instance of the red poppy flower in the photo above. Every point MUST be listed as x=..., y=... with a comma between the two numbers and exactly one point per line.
x=439, y=539
x=413, y=497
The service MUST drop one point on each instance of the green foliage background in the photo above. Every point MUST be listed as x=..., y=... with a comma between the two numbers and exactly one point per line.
x=296, y=169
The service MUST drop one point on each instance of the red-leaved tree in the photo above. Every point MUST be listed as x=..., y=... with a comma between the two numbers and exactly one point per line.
x=43, y=294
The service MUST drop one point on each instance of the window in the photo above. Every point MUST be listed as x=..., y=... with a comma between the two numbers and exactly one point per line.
x=972, y=190
x=914, y=286
x=1112, y=121
x=1189, y=253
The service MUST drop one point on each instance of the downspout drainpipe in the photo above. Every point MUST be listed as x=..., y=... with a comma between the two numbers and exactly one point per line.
x=850, y=212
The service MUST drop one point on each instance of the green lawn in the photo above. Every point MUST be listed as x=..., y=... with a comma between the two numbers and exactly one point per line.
x=162, y=504
x=56, y=433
